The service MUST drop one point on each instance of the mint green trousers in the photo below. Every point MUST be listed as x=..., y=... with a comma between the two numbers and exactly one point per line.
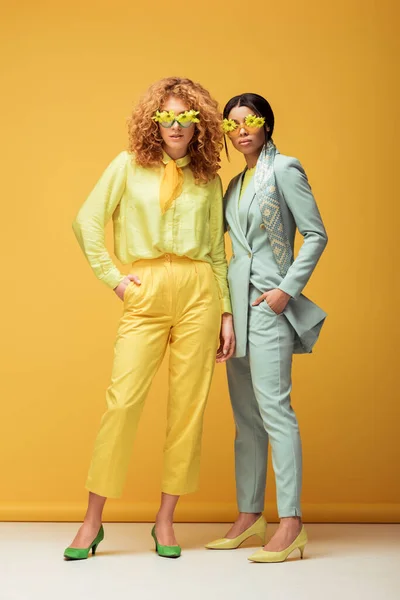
x=260, y=385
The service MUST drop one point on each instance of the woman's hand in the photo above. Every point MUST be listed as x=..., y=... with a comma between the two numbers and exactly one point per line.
x=121, y=287
x=276, y=300
x=227, y=339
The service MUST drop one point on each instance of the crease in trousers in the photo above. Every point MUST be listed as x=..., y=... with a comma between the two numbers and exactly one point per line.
x=260, y=385
x=177, y=304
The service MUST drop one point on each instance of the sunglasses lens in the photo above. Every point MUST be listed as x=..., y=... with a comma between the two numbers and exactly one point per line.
x=166, y=124
x=186, y=124
x=234, y=133
x=251, y=130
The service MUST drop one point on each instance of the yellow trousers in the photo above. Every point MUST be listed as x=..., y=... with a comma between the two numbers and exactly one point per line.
x=176, y=304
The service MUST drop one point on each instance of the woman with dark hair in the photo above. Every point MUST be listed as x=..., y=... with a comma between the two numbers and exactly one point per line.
x=273, y=319
x=165, y=198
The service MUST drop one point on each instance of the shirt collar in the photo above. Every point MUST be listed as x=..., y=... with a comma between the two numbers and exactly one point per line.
x=180, y=162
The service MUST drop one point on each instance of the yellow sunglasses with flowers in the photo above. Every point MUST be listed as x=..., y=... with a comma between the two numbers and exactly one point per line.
x=185, y=119
x=251, y=124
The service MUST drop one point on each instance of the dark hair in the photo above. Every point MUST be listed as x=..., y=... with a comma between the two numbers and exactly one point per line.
x=259, y=105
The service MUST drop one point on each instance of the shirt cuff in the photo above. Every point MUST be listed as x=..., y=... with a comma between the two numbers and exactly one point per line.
x=112, y=279
x=226, y=306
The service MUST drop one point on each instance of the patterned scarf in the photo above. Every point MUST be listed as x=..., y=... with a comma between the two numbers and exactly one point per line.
x=268, y=201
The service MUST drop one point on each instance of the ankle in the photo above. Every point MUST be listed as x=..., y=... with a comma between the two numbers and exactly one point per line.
x=92, y=521
x=165, y=519
x=248, y=516
x=289, y=522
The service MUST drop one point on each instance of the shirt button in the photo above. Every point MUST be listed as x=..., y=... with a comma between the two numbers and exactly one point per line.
x=167, y=256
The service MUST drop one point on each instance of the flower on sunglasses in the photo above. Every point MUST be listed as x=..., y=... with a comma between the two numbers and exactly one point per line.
x=254, y=121
x=166, y=116
x=189, y=116
x=229, y=125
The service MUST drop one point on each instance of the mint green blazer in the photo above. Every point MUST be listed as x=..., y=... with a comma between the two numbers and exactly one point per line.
x=251, y=250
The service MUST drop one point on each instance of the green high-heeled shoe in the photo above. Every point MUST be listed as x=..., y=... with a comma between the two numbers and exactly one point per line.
x=165, y=551
x=82, y=553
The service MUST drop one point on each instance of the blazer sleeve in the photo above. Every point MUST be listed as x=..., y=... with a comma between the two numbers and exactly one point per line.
x=217, y=251
x=299, y=198
x=89, y=224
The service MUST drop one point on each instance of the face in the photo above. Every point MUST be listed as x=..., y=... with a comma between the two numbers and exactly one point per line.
x=176, y=138
x=247, y=142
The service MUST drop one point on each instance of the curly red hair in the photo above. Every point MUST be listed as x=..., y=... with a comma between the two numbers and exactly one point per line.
x=145, y=140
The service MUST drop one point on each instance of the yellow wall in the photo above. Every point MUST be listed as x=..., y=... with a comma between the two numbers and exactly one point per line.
x=70, y=73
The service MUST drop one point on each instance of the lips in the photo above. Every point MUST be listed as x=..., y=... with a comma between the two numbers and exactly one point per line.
x=245, y=142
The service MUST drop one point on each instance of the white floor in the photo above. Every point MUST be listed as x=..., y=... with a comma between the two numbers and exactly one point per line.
x=360, y=562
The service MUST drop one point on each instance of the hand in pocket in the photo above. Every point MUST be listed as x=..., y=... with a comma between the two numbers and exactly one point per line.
x=121, y=287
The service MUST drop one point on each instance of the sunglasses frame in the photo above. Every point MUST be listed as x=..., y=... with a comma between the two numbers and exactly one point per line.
x=190, y=118
x=260, y=122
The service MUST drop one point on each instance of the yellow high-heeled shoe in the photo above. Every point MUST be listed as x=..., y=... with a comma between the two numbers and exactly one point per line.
x=264, y=556
x=258, y=528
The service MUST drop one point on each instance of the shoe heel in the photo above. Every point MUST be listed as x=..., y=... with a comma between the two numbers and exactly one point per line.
x=94, y=548
x=301, y=548
x=262, y=534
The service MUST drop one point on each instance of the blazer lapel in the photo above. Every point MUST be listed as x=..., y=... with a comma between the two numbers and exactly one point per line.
x=232, y=211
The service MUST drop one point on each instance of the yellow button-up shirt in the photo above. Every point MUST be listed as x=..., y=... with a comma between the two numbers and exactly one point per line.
x=192, y=226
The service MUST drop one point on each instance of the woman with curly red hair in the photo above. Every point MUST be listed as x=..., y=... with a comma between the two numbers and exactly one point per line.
x=165, y=199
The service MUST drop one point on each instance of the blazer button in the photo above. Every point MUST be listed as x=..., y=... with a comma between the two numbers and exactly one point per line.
x=262, y=226
x=249, y=255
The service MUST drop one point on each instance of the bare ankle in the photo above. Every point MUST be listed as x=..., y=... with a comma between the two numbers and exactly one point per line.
x=164, y=518
x=290, y=521
x=249, y=516
x=92, y=520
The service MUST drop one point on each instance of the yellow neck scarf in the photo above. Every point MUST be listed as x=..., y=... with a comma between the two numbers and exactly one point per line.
x=172, y=181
